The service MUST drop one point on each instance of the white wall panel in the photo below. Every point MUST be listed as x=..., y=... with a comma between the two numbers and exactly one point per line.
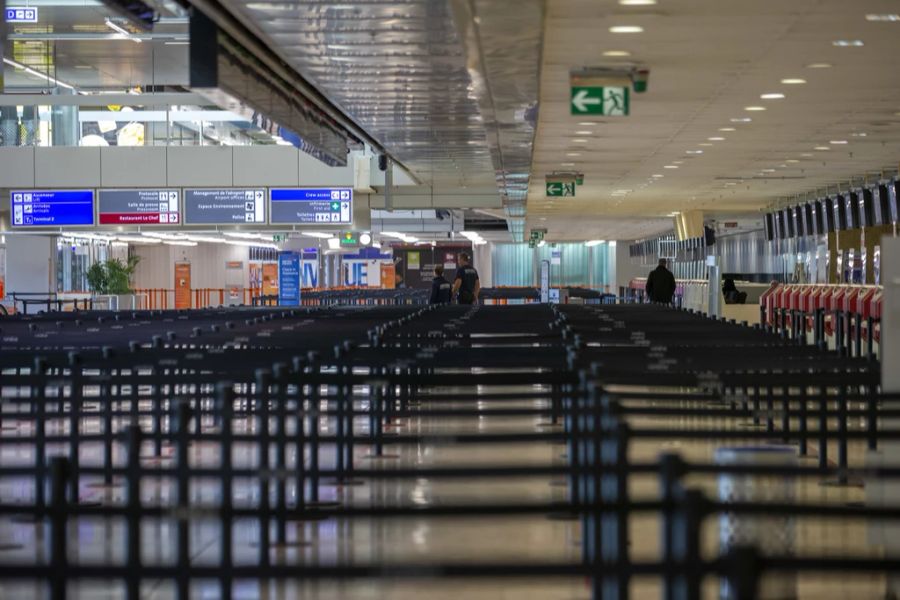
x=133, y=167
x=193, y=166
x=29, y=263
x=157, y=266
x=66, y=167
x=266, y=165
x=16, y=167
x=314, y=172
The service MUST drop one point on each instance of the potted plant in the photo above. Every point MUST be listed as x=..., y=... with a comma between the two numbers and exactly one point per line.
x=113, y=278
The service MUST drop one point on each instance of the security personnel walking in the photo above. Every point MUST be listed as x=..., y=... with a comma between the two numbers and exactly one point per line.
x=466, y=285
x=661, y=284
x=440, y=287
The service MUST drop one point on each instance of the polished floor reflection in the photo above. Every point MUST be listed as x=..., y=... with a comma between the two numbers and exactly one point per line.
x=405, y=540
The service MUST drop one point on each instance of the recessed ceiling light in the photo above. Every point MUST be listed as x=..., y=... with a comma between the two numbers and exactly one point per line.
x=670, y=167
x=782, y=166
x=705, y=144
x=868, y=17
x=859, y=134
x=792, y=160
x=768, y=170
x=658, y=176
x=579, y=141
x=626, y=29
x=543, y=218
x=573, y=154
x=83, y=67
x=755, y=108
x=716, y=139
x=741, y=120
x=585, y=132
x=615, y=53
x=806, y=154
x=693, y=151
x=727, y=129
x=848, y=43
x=820, y=148
x=772, y=96
x=568, y=164
x=677, y=162
x=793, y=81
x=838, y=142
x=587, y=123
x=822, y=65
x=637, y=2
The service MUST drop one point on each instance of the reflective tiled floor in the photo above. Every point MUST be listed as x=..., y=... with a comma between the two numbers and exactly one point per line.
x=426, y=539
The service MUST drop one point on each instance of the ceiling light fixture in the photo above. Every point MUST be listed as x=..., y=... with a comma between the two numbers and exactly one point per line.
x=637, y=2
x=579, y=141
x=716, y=139
x=848, y=43
x=822, y=65
x=705, y=144
x=573, y=154
x=121, y=30
x=594, y=243
x=859, y=134
x=38, y=74
x=741, y=120
x=616, y=53
x=567, y=164
x=888, y=18
x=693, y=151
x=792, y=161
x=626, y=29
x=584, y=132
x=772, y=96
x=670, y=167
x=727, y=129
x=754, y=108
x=658, y=176
x=821, y=148
x=838, y=142
x=793, y=81
x=806, y=154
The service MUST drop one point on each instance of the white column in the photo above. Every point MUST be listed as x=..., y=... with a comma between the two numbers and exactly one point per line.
x=481, y=259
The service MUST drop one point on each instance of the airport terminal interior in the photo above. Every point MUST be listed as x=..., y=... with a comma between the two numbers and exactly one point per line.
x=449, y=299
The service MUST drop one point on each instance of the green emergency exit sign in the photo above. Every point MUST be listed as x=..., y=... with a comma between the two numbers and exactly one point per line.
x=560, y=188
x=607, y=101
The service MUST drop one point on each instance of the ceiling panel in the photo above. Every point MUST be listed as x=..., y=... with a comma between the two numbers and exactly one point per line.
x=709, y=60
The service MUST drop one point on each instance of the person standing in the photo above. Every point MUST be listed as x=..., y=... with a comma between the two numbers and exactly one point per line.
x=466, y=286
x=440, y=287
x=661, y=284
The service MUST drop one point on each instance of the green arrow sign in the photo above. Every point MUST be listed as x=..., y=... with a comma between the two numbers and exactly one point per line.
x=607, y=101
x=559, y=188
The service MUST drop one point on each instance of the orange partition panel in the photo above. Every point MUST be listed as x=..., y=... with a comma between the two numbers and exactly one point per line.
x=270, y=279
x=182, y=285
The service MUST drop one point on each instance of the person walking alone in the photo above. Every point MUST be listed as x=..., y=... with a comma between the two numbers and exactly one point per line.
x=661, y=284
x=440, y=287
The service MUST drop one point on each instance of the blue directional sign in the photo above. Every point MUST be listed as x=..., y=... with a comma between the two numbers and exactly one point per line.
x=288, y=279
x=311, y=206
x=52, y=208
x=21, y=14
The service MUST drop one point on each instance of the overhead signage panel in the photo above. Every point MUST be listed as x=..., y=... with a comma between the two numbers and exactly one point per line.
x=21, y=14
x=311, y=206
x=52, y=208
x=227, y=206
x=138, y=207
x=560, y=188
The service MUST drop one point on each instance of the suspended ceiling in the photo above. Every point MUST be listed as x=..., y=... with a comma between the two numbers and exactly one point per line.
x=399, y=68
x=709, y=60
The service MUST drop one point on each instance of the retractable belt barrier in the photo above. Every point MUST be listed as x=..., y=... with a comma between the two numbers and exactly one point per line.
x=286, y=399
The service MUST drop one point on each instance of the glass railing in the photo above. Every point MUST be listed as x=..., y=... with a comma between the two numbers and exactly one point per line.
x=111, y=122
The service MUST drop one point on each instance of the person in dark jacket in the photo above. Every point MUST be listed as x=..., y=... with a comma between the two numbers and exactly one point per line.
x=466, y=285
x=440, y=287
x=661, y=284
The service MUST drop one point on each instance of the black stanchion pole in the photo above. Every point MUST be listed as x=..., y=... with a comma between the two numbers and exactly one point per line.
x=263, y=381
x=75, y=407
x=182, y=553
x=133, y=520
x=59, y=560
x=614, y=490
x=39, y=398
x=225, y=396
x=671, y=469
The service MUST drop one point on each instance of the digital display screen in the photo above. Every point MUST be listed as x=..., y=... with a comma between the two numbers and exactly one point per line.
x=228, y=206
x=52, y=208
x=138, y=207
x=311, y=206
